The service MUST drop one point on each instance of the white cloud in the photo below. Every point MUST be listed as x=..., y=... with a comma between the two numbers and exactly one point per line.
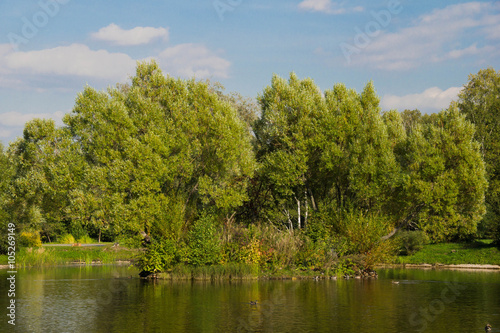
x=12, y=123
x=25, y=70
x=430, y=100
x=326, y=6
x=431, y=38
x=136, y=36
x=73, y=60
x=18, y=119
x=190, y=60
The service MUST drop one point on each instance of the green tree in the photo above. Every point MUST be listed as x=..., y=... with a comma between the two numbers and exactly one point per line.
x=46, y=165
x=158, y=151
x=324, y=157
x=284, y=134
x=480, y=102
x=444, y=178
x=6, y=175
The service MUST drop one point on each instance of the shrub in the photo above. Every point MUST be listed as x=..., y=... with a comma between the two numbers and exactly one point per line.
x=411, y=242
x=85, y=239
x=30, y=239
x=161, y=255
x=364, y=232
x=130, y=241
x=204, y=245
x=66, y=239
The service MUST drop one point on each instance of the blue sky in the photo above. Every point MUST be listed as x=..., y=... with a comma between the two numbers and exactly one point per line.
x=419, y=54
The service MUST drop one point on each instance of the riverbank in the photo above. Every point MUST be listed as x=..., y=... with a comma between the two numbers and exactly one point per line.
x=62, y=254
x=480, y=254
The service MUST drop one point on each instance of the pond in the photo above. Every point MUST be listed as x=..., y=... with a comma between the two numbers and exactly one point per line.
x=106, y=299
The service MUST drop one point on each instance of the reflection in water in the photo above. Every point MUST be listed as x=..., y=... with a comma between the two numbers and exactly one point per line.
x=105, y=299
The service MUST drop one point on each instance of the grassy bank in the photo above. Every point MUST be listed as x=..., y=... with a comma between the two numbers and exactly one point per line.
x=35, y=257
x=480, y=252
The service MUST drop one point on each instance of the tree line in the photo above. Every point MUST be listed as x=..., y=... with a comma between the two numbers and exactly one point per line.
x=180, y=160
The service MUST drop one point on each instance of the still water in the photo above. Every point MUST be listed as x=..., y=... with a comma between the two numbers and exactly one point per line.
x=91, y=299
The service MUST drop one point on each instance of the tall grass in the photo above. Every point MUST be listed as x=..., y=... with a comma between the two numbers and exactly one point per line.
x=213, y=272
x=36, y=257
x=47, y=256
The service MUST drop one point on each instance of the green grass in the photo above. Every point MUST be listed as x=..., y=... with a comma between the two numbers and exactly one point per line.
x=48, y=256
x=480, y=252
x=213, y=272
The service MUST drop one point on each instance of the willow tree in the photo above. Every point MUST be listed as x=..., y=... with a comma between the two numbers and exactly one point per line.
x=158, y=151
x=323, y=155
x=443, y=178
x=357, y=151
x=46, y=167
x=285, y=135
x=480, y=102
x=6, y=172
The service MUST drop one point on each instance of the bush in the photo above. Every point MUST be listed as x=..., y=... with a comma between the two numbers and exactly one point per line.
x=160, y=255
x=364, y=232
x=85, y=239
x=29, y=239
x=131, y=241
x=204, y=245
x=411, y=242
x=66, y=239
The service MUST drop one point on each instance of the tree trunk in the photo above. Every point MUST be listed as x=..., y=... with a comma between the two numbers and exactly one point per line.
x=99, y=236
x=298, y=213
x=290, y=224
x=313, y=202
x=307, y=209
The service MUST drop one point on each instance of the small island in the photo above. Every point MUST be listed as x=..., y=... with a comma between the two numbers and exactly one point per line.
x=189, y=182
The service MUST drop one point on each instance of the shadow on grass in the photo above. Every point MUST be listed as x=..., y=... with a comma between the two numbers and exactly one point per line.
x=480, y=244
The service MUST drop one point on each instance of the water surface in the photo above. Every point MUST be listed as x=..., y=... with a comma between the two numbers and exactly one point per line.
x=106, y=299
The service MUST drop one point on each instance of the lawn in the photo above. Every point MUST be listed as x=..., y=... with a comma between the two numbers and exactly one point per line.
x=480, y=252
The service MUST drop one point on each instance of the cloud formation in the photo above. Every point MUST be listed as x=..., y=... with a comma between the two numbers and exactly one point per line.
x=136, y=36
x=13, y=122
x=72, y=60
x=430, y=100
x=327, y=6
x=18, y=119
x=190, y=60
x=434, y=37
x=29, y=69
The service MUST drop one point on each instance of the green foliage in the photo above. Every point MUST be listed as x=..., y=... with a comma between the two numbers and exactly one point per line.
x=411, y=242
x=203, y=242
x=29, y=239
x=363, y=231
x=159, y=256
x=85, y=239
x=479, y=252
x=132, y=241
x=344, y=267
x=479, y=101
x=66, y=239
x=444, y=178
x=315, y=176
x=157, y=151
x=6, y=172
